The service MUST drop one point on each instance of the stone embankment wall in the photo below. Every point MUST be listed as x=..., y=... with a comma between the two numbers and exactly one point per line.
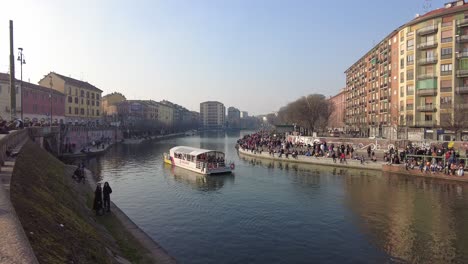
x=315, y=160
x=81, y=136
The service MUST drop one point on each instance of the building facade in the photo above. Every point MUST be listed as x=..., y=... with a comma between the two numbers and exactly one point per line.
x=233, y=117
x=5, y=98
x=109, y=107
x=212, y=115
x=39, y=102
x=83, y=100
x=416, y=77
x=337, y=117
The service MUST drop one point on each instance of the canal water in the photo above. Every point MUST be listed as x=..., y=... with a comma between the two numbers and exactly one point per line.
x=273, y=212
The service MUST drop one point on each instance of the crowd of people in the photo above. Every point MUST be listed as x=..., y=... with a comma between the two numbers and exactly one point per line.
x=279, y=145
x=431, y=159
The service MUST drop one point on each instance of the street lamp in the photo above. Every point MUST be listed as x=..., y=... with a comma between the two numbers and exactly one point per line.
x=22, y=61
x=50, y=97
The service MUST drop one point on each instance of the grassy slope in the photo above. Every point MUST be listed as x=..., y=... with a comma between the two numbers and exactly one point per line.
x=44, y=198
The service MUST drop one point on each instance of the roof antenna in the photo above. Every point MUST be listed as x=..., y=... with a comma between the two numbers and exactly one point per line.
x=427, y=6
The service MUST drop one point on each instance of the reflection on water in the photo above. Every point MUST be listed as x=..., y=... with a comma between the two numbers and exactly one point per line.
x=280, y=212
x=415, y=219
x=199, y=181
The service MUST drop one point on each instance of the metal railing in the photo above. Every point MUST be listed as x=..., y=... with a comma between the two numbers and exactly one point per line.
x=426, y=108
x=427, y=44
x=428, y=30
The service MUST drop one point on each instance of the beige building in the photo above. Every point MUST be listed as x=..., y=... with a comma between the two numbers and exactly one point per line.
x=109, y=106
x=212, y=115
x=5, y=98
x=165, y=114
x=416, y=77
x=83, y=100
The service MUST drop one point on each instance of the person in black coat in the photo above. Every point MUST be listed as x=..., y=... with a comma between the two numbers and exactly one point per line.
x=107, y=191
x=98, y=199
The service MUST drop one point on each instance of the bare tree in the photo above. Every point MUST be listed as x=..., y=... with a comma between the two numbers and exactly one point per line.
x=456, y=122
x=311, y=112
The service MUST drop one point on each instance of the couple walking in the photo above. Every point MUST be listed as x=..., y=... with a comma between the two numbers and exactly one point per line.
x=99, y=193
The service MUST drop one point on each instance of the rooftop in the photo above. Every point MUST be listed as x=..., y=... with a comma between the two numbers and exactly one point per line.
x=76, y=82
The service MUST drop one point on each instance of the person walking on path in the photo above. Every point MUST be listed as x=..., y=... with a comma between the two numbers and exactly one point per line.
x=97, y=205
x=107, y=191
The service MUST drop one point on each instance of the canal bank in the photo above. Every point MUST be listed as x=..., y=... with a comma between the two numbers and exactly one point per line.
x=55, y=213
x=349, y=163
x=355, y=164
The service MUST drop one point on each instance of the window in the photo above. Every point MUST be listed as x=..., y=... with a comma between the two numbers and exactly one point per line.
x=97, y=96
x=92, y=103
x=409, y=90
x=92, y=112
x=70, y=99
x=87, y=94
x=446, y=53
x=428, y=117
x=446, y=86
x=92, y=95
x=76, y=110
x=410, y=44
x=69, y=91
x=76, y=91
x=446, y=69
x=445, y=102
x=82, y=93
x=87, y=102
x=402, y=77
x=447, y=21
x=402, y=63
x=446, y=36
x=82, y=111
x=97, y=112
x=410, y=59
x=82, y=101
x=97, y=103
x=410, y=75
x=69, y=110
x=76, y=100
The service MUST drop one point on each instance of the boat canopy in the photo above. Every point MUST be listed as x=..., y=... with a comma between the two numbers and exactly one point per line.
x=191, y=151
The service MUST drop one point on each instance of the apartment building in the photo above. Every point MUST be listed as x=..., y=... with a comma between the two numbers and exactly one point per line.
x=416, y=77
x=233, y=117
x=83, y=102
x=212, y=115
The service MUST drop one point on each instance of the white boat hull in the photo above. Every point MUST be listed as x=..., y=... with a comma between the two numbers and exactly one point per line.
x=192, y=166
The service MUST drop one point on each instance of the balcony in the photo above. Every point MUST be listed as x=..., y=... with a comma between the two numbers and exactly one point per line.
x=462, y=90
x=427, y=30
x=462, y=23
x=461, y=106
x=462, y=38
x=426, y=108
x=423, y=76
x=426, y=123
x=462, y=54
x=427, y=92
x=462, y=73
x=429, y=60
x=428, y=44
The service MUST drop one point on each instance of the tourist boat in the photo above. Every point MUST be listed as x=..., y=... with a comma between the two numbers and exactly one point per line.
x=202, y=161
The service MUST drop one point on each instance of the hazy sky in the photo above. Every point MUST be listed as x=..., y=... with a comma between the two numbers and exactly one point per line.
x=256, y=55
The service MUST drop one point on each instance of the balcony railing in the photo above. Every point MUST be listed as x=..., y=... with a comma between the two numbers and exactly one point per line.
x=462, y=23
x=426, y=108
x=462, y=54
x=429, y=60
x=462, y=90
x=428, y=44
x=427, y=92
x=428, y=30
x=462, y=73
x=462, y=38
x=426, y=123
x=461, y=106
x=422, y=76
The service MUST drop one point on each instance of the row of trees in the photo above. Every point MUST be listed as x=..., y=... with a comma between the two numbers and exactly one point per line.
x=310, y=112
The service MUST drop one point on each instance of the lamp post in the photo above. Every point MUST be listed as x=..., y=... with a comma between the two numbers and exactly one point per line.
x=50, y=97
x=22, y=61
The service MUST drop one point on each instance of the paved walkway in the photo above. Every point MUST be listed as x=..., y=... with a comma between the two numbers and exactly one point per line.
x=158, y=253
x=14, y=244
